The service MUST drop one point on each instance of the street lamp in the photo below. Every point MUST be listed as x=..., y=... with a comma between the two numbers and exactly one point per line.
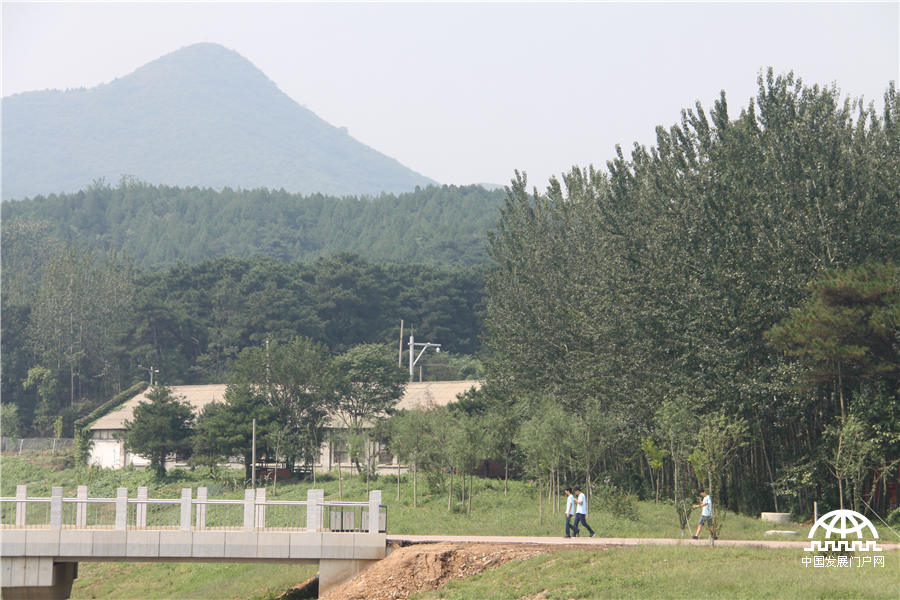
x=412, y=348
x=150, y=370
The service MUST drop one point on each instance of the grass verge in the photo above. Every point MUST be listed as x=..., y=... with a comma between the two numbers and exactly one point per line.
x=674, y=572
x=187, y=581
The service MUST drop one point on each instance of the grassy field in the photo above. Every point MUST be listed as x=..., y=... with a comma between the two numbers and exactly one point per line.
x=624, y=572
x=642, y=572
x=185, y=581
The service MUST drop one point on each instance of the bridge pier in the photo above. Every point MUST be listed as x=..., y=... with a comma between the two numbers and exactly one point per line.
x=333, y=572
x=37, y=578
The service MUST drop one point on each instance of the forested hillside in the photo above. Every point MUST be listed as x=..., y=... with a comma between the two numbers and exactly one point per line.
x=161, y=225
x=79, y=326
x=202, y=115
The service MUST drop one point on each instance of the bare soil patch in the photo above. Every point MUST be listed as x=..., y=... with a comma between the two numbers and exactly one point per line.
x=422, y=567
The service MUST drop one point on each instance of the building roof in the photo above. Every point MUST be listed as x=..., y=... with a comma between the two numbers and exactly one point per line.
x=420, y=395
x=429, y=394
x=197, y=396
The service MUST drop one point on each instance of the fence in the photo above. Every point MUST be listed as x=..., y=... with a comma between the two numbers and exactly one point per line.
x=253, y=513
x=35, y=445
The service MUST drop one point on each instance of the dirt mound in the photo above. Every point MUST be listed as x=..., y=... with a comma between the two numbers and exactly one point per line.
x=423, y=567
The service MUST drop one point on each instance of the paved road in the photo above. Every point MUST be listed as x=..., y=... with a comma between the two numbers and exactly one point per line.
x=598, y=541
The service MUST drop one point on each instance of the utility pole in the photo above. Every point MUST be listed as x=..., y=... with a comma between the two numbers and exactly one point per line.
x=253, y=459
x=400, y=350
x=412, y=350
x=151, y=370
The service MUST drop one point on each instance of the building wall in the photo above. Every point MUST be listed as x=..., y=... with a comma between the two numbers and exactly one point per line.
x=107, y=453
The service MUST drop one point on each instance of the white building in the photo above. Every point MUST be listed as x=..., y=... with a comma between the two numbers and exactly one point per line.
x=108, y=448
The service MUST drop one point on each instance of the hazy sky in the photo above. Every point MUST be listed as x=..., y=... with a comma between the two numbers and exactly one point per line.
x=469, y=92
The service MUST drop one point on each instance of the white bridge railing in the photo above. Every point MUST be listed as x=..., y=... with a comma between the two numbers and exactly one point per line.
x=253, y=513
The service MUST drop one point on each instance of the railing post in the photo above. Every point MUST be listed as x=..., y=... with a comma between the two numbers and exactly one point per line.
x=21, y=505
x=121, y=508
x=81, y=507
x=186, y=501
x=249, y=505
x=141, y=513
x=201, y=508
x=314, y=499
x=260, y=508
x=56, y=508
x=374, y=510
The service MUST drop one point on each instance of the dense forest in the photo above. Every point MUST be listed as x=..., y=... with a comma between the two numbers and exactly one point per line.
x=161, y=225
x=720, y=310
x=79, y=326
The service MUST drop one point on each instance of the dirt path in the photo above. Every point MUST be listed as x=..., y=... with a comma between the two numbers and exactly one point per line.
x=422, y=567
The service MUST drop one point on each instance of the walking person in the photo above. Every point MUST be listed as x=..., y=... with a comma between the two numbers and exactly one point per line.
x=581, y=511
x=570, y=513
x=705, y=515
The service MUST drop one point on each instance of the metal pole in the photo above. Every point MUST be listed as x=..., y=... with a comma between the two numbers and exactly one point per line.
x=400, y=350
x=411, y=360
x=253, y=460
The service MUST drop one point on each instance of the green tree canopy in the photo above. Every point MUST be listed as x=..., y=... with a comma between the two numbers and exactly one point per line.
x=298, y=381
x=160, y=428
x=371, y=384
x=226, y=429
x=847, y=331
x=655, y=279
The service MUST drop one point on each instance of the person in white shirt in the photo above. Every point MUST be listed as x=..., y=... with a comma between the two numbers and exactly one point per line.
x=705, y=515
x=581, y=511
x=570, y=512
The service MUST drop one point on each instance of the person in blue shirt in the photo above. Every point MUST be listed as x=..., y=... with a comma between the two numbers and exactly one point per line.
x=581, y=511
x=570, y=512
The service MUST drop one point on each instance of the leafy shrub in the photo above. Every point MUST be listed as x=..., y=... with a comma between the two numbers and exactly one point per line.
x=434, y=481
x=616, y=500
x=893, y=518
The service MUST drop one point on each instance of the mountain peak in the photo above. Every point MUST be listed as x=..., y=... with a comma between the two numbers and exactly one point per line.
x=200, y=60
x=202, y=115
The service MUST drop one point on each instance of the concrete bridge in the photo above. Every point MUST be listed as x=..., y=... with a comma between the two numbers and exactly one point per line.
x=43, y=539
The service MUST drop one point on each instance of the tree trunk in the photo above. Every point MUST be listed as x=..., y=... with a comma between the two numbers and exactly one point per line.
x=550, y=492
x=71, y=384
x=674, y=471
x=658, y=475
x=506, y=475
x=450, y=493
x=540, y=501
x=556, y=494
x=650, y=469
